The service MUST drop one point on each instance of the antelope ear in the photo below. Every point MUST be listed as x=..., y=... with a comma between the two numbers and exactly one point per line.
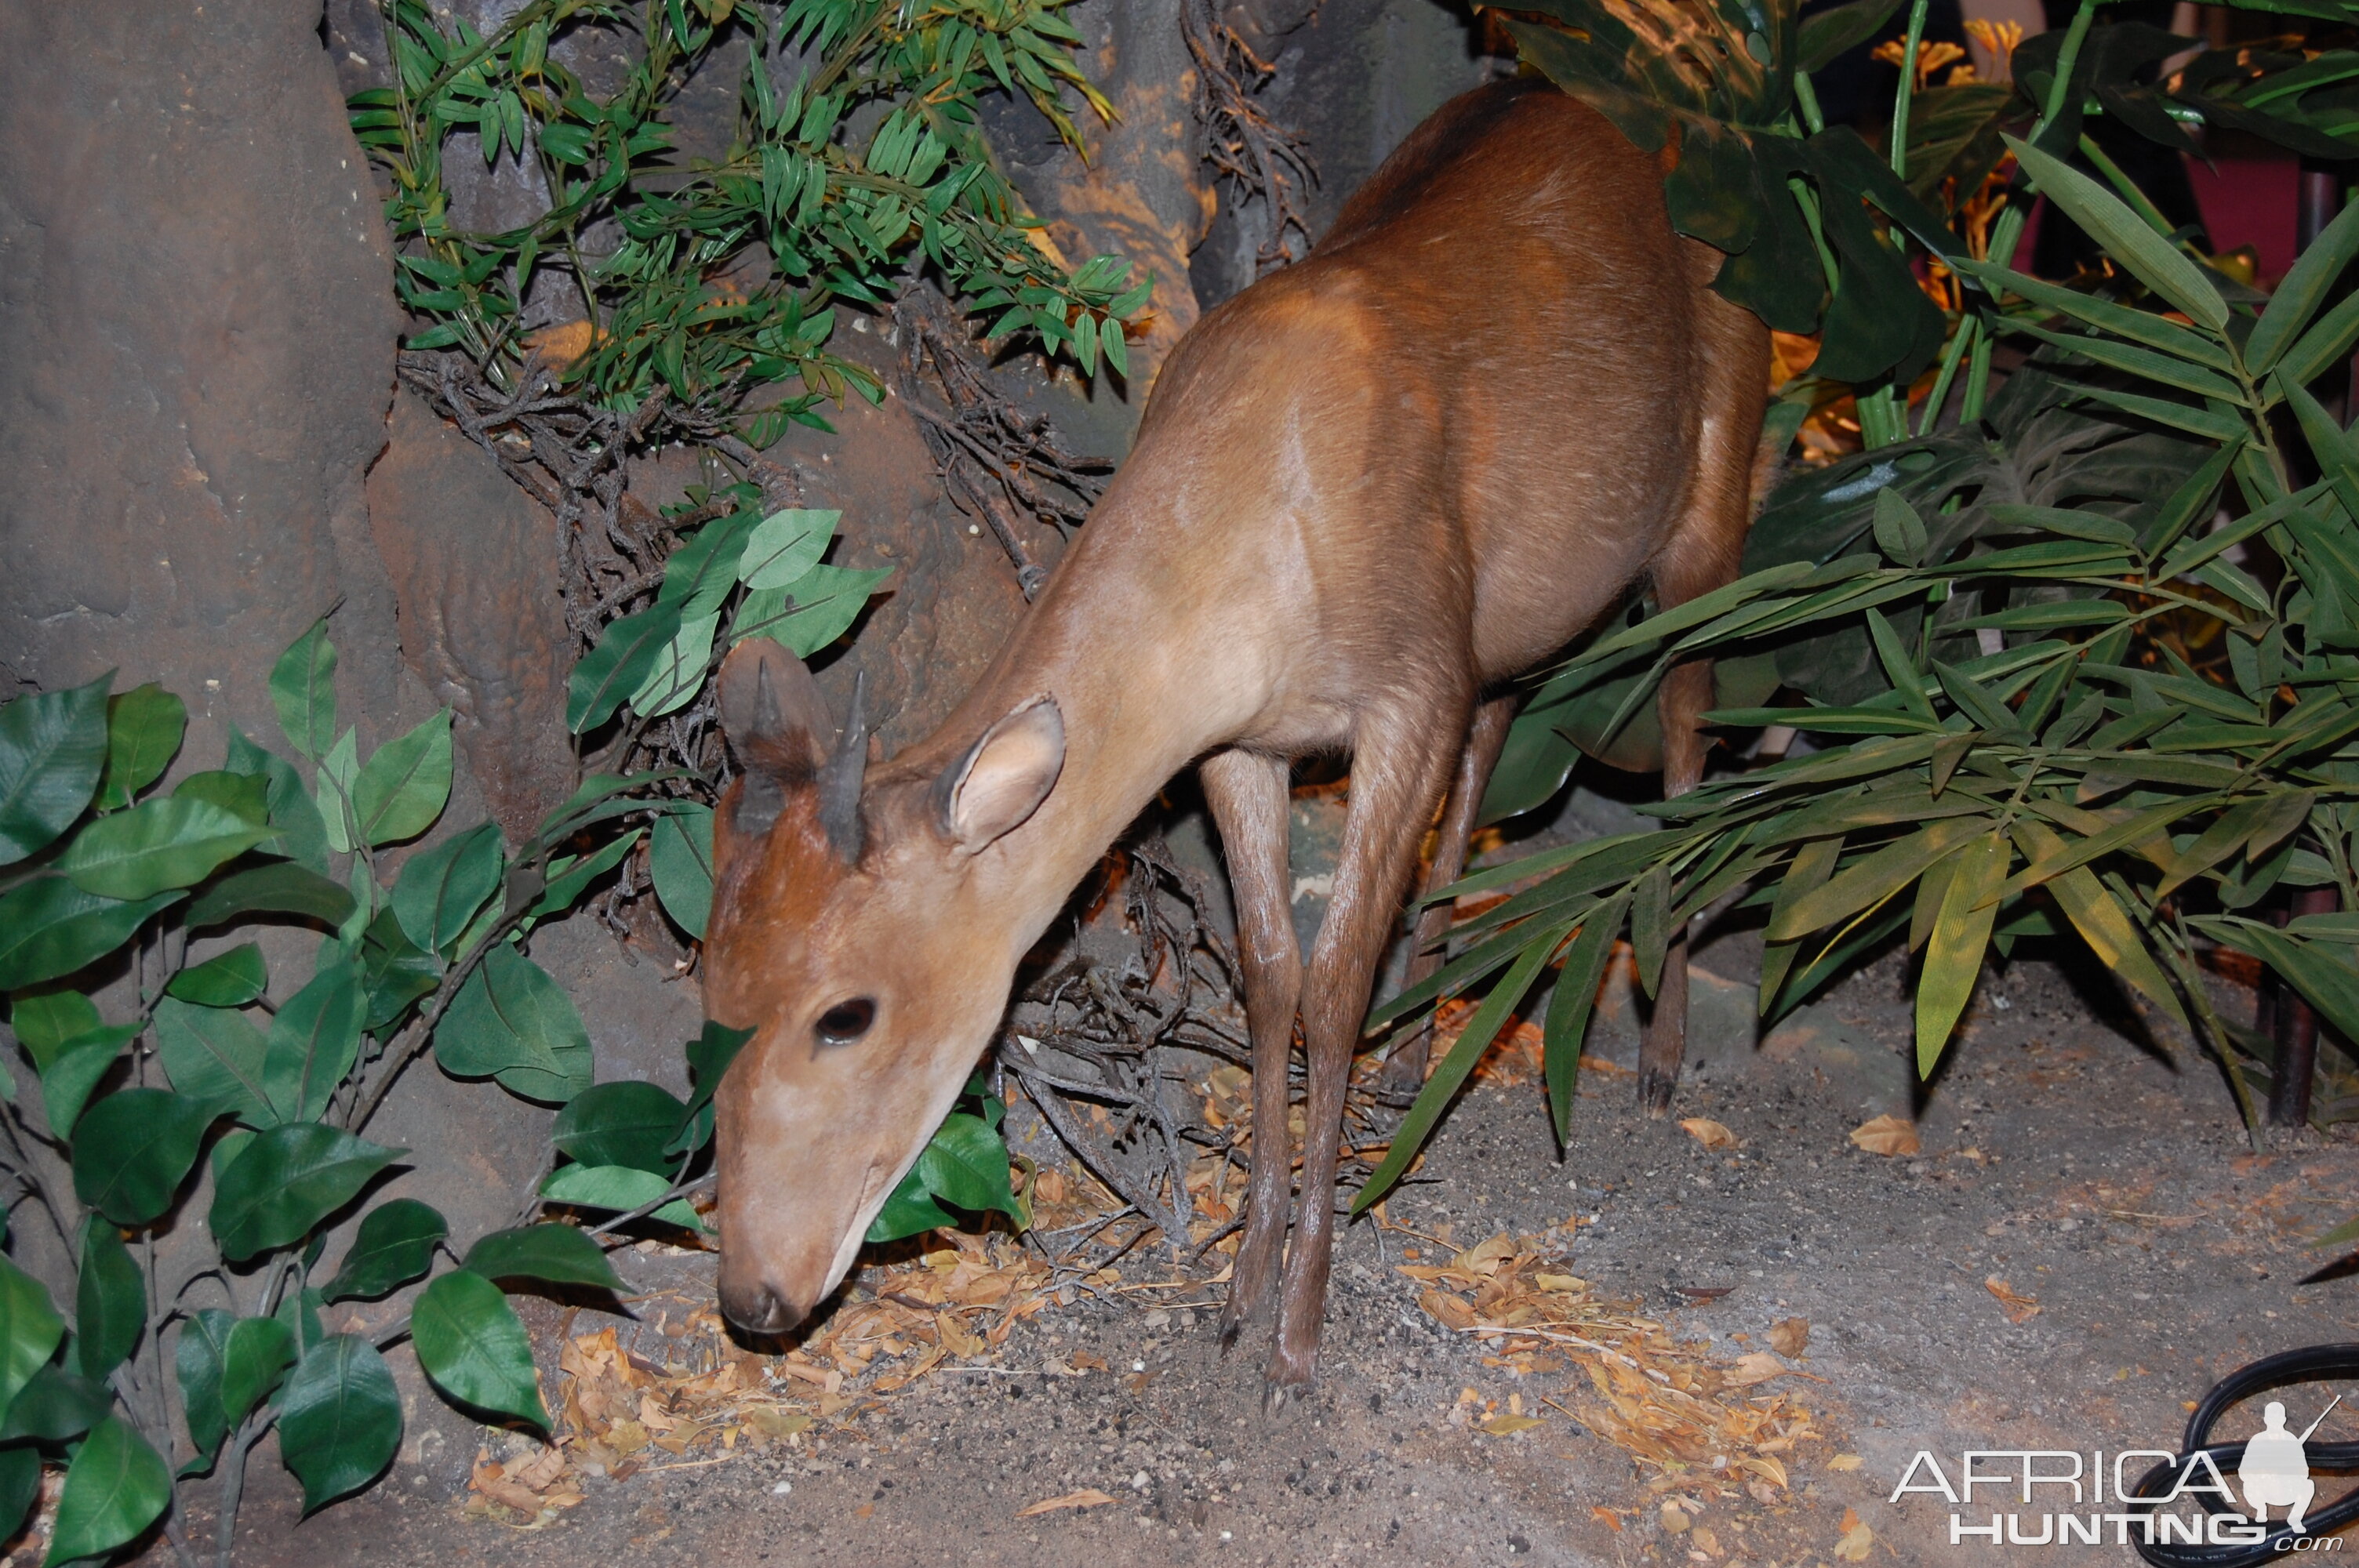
x=1004, y=776
x=776, y=723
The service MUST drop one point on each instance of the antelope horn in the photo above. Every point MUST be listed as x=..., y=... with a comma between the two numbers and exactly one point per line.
x=840, y=778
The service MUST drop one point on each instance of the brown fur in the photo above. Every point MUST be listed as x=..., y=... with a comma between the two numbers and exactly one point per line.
x=1367, y=491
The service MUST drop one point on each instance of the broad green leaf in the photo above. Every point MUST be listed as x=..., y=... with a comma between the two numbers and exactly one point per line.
x=20, y=1486
x=144, y=727
x=785, y=545
x=116, y=1487
x=339, y=771
x=403, y=787
x=254, y=1357
x=281, y=888
x=245, y=795
x=339, y=1419
x=620, y=1188
x=394, y=1246
x=55, y=1406
x=965, y=1163
x=170, y=842
x=314, y=1040
x=615, y=668
x=701, y=573
x=678, y=671
x=908, y=1210
x=1451, y=1075
x=302, y=833
x=226, y=979
x=303, y=687
x=560, y=1254
x=473, y=1348
x=76, y=1071
x=621, y=1124
x=1954, y=955
x=197, y=1359
x=110, y=1302
x=51, y=928
x=809, y=613
x=709, y=1056
x=511, y=1022
x=394, y=972
x=570, y=876
x=52, y=749
x=286, y=1182
x=45, y=1020
x=679, y=859
x=441, y=889
x=133, y=1150
x=1899, y=532
x=29, y=1329
x=215, y=1054
x=2144, y=253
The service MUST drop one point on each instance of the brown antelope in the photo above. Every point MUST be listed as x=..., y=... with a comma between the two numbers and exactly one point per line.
x=1368, y=492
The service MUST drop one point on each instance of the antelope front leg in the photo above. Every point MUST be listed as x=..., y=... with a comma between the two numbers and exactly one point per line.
x=1397, y=773
x=1249, y=797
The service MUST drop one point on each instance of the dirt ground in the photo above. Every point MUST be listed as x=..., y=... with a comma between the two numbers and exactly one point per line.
x=2083, y=1244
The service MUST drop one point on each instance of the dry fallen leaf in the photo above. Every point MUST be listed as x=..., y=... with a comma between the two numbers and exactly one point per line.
x=1675, y=1517
x=1757, y=1368
x=562, y=344
x=1087, y=1498
x=1887, y=1135
x=1791, y=1337
x=1708, y=1133
x=1844, y=1461
x=544, y=1469
x=1856, y=1539
x=1706, y=1541
x=1508, y=1425
x=1608, y=1516
x=2018, y=1308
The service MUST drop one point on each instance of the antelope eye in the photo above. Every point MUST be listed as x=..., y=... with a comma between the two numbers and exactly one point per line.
x=845, y=1021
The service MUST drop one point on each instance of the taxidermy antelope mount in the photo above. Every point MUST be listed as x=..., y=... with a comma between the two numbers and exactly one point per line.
x=1364, y=497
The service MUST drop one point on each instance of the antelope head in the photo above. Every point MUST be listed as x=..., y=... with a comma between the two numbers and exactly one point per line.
x=855, y=930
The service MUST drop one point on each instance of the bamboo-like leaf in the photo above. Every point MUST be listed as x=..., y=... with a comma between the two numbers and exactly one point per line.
x=2147, y=255
x=1873, y=880
x=1650, y=924
x=1569, y=1007
x=2137, y=326
x=1954, y=955
x=2298, y=296
x=1931, y=887
x=2101, y=921
x=1812, y=864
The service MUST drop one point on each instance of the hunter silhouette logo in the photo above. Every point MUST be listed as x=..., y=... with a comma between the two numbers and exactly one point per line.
x=2275, y=1471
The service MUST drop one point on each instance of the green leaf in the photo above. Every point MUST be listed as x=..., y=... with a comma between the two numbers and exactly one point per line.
x=621, y=1124
x=617, y=664
x=45, y=1020
x=395, y=1245
x=339, y=1419
x=1837, y=29
x=511, y=1022
x=405, y=784
x=54, y=1406
x=255, y=1357
x=1872, y=880
x=115, y=1487
x=679, y=670
x=709, y=1056
x=20, y=1487
x=2144, y=254
x=286, y=1182
x=338, y=771
x=1569, y=1010
x=2297, y=298
x=1650, y=921
x=197, y=1359
x=110, y=1302
x=134, y=1149
x=52, y=749
x=279, y=888
x=570, y=877
x=314, y=1040
x=144, y=727
x=214, y=1055
x=303, y=687
x=473, y=1348
x=30, y=1330
x=2101, y=921
x=393, y=971
x=1452, y=1074
x=51, y=928
x=701, y=573
x=619, y=1188
x=1899, y=532
x=560, y=1254
x=809, y=613
x=171, y=842
x=441, y=889
x=294, y=815
x=785, y=545
x=226, y=979
x=679, y=859
x=80, y=1064
x=1954, y=955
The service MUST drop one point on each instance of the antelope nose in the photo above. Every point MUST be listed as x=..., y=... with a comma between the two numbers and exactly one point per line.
x=757, y=1309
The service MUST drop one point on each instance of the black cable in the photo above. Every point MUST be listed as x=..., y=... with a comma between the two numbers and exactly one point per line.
x=2318, y=1363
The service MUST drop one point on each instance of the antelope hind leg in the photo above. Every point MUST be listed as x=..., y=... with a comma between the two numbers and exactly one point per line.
x=1248, y=798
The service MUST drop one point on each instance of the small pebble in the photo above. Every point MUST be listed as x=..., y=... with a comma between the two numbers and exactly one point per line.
x=782, y=1488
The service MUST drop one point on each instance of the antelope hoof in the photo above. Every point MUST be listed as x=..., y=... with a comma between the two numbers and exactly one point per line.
x=1281, y=1400
x=1655, y=1092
